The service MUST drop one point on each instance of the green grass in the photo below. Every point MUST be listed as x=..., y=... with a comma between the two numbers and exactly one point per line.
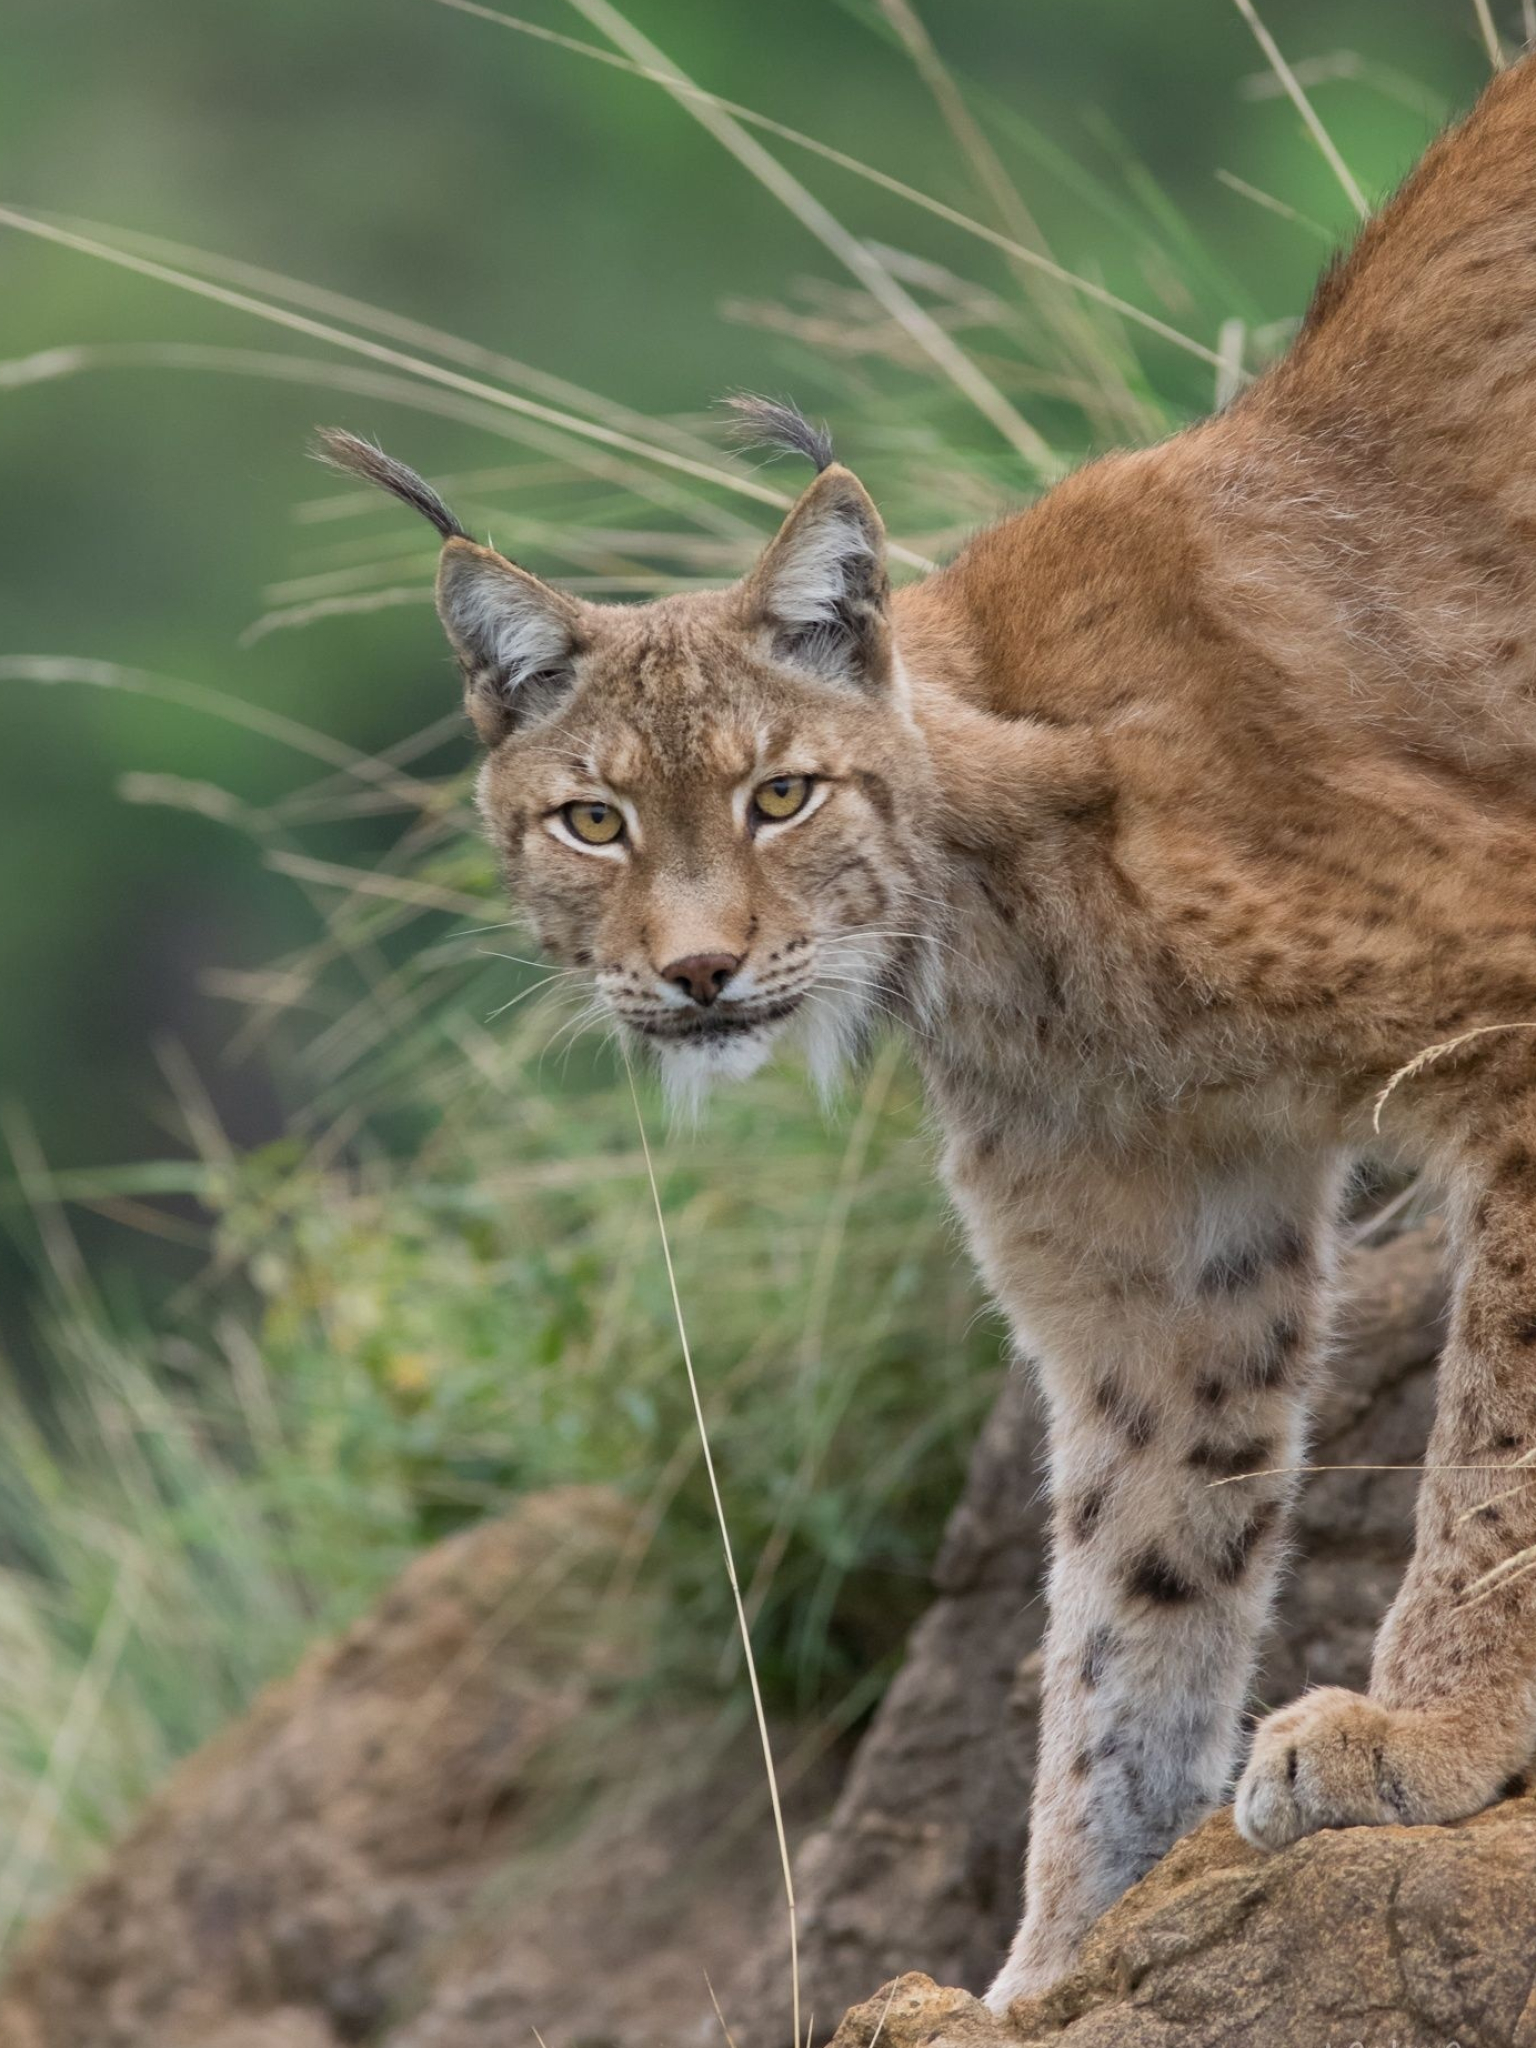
x=443, y=1288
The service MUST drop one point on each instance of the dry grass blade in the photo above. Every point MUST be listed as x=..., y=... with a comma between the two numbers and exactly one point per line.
x=1273, y=205
x=1291, y=1471
x=730, y=2040
x=958, y=118
x=271, y=725
x=1303, y=106
x=1522, y=1560
x=1230, y=343
x=33, y=1178
x=1497, y=1499
x=730, y=1559
x=423, y=741
x=1017, y=251
x=576, y=455
x=371, y=882
x=1483, y=1588
x=1372, y=1225
x=30, y=1841
x=362, y=564
x=51, y=364
x=874, y=2039
x=285, y=618
x=1109, y=397
x=1490, y=34
x=205, y=1132
x=355, y=579
x=719, y=2015
x=1431, y=1053
x=1520, y=1566
x=417, y=366
x=413, y=334
x=457, y=484
x=855, y=255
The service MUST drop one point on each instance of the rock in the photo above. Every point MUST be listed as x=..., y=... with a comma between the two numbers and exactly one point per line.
x=914, y=2012
x=1381, y=1937
x=289, y=2028
x=1390, y=1937
x=917, y=1867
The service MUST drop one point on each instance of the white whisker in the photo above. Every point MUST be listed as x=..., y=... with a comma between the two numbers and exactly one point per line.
x=490, y=953
x=929, y=938
x=476, y=931
x=574, y=1026
x=523, y=995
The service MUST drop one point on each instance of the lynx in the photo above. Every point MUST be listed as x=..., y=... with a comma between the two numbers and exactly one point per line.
x=1173, y=818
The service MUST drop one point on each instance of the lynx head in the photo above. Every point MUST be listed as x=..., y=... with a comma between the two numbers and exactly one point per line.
x=712, y=802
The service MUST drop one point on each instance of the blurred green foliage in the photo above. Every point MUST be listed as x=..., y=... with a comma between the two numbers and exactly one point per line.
x=396, y=1186
x=387, y=1353
x=538, y=203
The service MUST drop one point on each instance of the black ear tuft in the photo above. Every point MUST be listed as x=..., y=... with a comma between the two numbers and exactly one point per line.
x=338, y=449
x=768, y=423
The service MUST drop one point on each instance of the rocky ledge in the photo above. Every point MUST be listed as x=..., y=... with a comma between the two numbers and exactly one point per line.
x=1382, y=1937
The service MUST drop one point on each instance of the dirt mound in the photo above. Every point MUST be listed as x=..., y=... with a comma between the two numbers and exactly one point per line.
x=384, y=1849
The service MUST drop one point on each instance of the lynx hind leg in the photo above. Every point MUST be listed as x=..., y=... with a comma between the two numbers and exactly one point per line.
x=1449, y=1720
x=1174, y=1400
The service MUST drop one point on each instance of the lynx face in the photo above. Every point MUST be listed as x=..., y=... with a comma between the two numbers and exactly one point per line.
x=712, y=803
x=716, y=837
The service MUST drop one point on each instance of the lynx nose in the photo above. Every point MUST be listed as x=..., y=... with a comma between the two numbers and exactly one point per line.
x=702, y=975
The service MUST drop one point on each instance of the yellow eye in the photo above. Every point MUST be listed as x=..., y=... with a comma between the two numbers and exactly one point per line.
x=781, y=796
x=598, y=824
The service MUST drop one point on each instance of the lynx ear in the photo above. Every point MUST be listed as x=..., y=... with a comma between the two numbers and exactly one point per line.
x=821, y=592
x=515, y=637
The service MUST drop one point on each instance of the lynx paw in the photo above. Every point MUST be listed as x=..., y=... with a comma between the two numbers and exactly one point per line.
x=1043, y=1953
x=1020, y=1979
x=1334, y=1759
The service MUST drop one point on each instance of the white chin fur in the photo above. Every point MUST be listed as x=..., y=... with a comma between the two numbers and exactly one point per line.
x=688, y=1072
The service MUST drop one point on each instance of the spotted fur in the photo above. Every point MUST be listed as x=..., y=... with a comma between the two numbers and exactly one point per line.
x=1173, y=818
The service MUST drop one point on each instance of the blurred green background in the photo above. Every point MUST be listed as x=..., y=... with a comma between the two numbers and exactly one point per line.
x=431, y=1280
x=577, y=219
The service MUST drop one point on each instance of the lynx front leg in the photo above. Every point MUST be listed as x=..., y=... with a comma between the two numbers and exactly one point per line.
x=1178, y=1359
x=1451, y=1715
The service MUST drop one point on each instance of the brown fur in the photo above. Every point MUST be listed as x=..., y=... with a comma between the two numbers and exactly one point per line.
x=1174, y=817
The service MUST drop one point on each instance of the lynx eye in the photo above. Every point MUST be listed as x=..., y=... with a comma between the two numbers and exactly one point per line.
x=596, y=823
x=781, y=796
